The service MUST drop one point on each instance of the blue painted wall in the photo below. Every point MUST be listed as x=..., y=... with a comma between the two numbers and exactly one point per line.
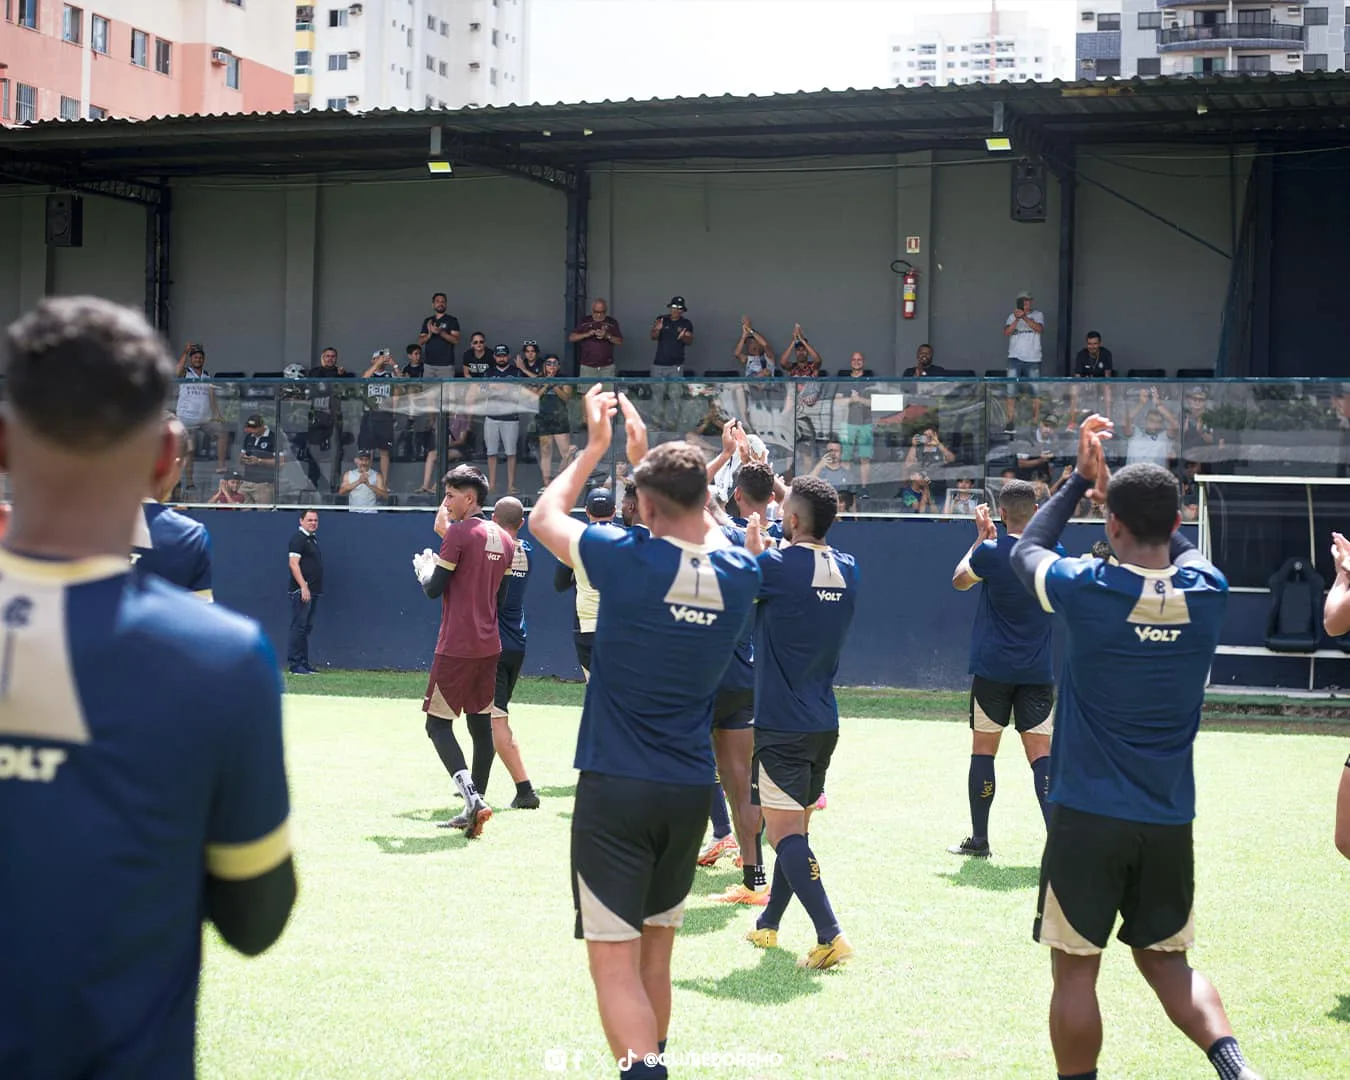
x=912, y=629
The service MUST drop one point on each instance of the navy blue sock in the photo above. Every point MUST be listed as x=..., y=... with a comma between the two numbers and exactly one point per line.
x=721, y=820
x=1226, y=1058
x=1078, y=1076
x=1040, y=774
x=647, y=1072
x=981, y=790
x=661, y=1046
x=780, y=895
x=802, y=870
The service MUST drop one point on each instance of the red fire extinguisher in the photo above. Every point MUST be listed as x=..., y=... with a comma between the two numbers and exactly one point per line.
x=909, y=293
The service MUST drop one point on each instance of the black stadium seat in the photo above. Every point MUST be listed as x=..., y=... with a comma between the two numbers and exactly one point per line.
x=1195, y=373
x=632, y=373
x=1295, y=607
x=961, y=373
x=1146, y=373
x=845, y=373
x=722, y=373
x=229, y=375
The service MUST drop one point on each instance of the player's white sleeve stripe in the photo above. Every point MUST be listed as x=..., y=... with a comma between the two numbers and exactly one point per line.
x=239, y=862
x=205, y=594
x=1042, y=569
x=574, y=551
x=447, y=565
x=295, y=554
x=964, y=570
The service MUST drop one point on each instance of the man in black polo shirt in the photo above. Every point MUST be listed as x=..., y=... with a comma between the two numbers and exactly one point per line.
x=1093, y=362
x=305, y=584
x=671, y=333
x=323, y=438
x=438, y=337
x=258, y=456
x=501, y=425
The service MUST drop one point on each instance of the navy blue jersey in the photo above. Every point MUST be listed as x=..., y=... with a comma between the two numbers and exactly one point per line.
x=805, y=607
x=740, y=673
x=511, y=609
x=1010, y=642
x=670, y=616
x=1140, y=644
x=773, y=530
x=140, y=752
x=173, y=546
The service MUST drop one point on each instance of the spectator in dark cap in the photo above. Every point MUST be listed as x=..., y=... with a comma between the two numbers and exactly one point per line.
x=228, y=492
x=599, y=510
x=671, y=333
x=258, y=456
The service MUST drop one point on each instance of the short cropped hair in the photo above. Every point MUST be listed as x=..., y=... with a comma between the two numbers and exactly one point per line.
x=509, y=513
x=1017, y=500
x=676, y=472
x=1145, y=498
x=817, y=500
x=86, y=373
x=466, y=476
x=756, y=480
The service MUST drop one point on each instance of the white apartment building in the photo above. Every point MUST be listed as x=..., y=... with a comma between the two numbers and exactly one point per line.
x=976, y=48
x=411, y=54
x=1125, y=38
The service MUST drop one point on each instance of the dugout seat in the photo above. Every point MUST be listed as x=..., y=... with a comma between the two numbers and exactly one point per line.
x=1146, y=373
x=1295, y=622
x=1195, y=373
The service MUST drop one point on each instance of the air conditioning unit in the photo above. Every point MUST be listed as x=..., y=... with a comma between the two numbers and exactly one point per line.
x=355, y=9
x=474, y=65
x=355, y=54
x=220, y=57
x=353, y=99
x=475, y=26
x=1088, y=16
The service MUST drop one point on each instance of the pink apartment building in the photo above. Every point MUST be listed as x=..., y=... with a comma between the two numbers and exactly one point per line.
x=142, y=58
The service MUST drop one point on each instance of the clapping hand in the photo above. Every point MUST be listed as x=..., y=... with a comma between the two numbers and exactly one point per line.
x=1340, y=553
x=599, y=406
x=1091, y=465
x=635, y=431
x=424, y=565
x=754, y=535
x=984, y=524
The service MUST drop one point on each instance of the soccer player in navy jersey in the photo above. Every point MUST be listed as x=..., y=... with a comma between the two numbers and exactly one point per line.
x=145, y=786
x=509, y=513
x=470, y=578
x=1141, y=637
x=1011, y=661
x=806, y=606
x=169, y=544
x=675, y=600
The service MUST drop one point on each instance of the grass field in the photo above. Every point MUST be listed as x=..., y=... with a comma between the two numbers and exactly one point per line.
x=414, y=954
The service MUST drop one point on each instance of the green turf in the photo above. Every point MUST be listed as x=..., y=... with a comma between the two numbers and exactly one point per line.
x=414, y=954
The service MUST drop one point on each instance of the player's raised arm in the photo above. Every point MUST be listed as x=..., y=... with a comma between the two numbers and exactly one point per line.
x=1336, y=614
x=552, y=523
x=963, y=577
x=1035, y=552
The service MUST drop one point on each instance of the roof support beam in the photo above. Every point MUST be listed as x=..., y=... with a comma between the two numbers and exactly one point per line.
x=133, y=191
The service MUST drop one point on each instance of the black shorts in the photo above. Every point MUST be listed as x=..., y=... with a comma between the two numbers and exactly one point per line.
x=584, y=643
x=508, y=671
x=634, y=847
x=1096, y=866
x=993, y=704
x=377, y=431
x=788, y=770
x=734, y=710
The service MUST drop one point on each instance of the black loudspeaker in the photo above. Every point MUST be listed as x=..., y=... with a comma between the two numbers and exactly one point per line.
x=65, y=221
x=1028, y=190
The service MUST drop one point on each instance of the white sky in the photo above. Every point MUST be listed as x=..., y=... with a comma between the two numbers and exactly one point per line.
x=592, y=50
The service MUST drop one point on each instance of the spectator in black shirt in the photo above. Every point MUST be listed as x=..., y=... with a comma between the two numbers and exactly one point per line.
x=501, y=426
x=414, y=368
x=324, y=435
x=476, y=360
x=923, y=365
x=258, y=456
x=305, y=585
x=1092, y=362
x=671, y=333
x=438, y=337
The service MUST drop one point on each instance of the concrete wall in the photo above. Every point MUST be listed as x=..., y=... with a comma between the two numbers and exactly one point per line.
x=11, y=213
x=112, y=261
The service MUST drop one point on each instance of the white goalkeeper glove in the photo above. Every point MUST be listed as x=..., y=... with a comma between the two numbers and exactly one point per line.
x=424, y=565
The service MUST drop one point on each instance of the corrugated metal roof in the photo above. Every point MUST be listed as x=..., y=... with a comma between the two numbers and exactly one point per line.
x=1302, y=106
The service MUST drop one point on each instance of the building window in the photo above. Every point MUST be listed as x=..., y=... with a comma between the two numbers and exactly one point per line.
x=232, y=72
x=1150, y=65
x=1315, y=16
x=1253, y=63
x=337, y=17
x=1006, y=62
x=236, y=3
x=140, y=48
x=70, y=108
x=72, y=22
x=1315, y=61
x=1150, y=20
x=1106, y=21
x=927, y=50
x=97, y=113
x=492, y=76
x=445, y=29
x=337, y=103
x=25, y=104
x=431, y=22
x=1108, y=67
x=431, y=63
x=927, y=65
x=442, y=68
x=304, y=62
x=28, y=16
x=98, y=34
x=496, y=38
x=4, y=99
x=304, y=21
x=410, y=37
x=163, y=55
x=337, y=61
x=407, y=81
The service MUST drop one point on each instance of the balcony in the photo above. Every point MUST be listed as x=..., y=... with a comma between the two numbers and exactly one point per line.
x=1232, y=35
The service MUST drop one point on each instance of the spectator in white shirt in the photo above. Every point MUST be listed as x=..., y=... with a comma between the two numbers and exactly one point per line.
x=198, y=410
x=1023, y=330
x=1151, y=442
x=364, y=489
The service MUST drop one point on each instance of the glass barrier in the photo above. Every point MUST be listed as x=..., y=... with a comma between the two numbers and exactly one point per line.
x=931, y=445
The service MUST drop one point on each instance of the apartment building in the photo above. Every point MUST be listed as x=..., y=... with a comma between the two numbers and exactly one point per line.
x=976, y=48
x=1125, y=38
x=396, y=54
x=142, y=58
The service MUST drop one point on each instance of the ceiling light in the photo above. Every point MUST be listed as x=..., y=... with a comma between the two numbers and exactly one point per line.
x=998, y=144
x=440, y=168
